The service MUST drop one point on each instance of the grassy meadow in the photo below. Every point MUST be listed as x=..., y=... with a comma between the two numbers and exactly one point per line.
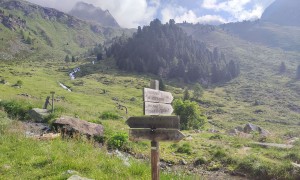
x=100, y=87
x=260, y=95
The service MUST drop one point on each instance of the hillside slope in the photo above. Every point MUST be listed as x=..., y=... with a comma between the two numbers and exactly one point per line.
x=279, y=26
x=266, y=33
x=260, y=86
x=29, y=30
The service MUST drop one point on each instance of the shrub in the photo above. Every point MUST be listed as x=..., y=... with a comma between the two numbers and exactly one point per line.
x=117, y=141
x=19, y=83
x=217, y=136
x=220, y=153
x=190, y=116
x=16, y=109
x=199, y=161
x=185, y=148
x=109, y=115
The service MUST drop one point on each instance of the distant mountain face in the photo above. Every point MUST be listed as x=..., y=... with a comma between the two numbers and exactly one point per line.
x=91, y=13
x=27, y=28
x=283, y=12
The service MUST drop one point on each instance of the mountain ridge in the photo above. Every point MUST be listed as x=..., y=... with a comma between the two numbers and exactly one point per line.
x=89, y=12
x=41, y=30
x=283, y=12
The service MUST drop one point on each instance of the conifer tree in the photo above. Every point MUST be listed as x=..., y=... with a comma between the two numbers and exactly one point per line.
x=198, y=91
x=186, y=95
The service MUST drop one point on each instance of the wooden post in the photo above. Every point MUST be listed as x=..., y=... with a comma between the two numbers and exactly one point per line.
x=155, y=160
x=154, y=144
x=52, y=104
x=46, y=102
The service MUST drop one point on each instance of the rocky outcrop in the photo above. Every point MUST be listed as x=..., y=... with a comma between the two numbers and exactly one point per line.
x=11, y=21
x=89, y=12
x=248, y=129
x=283, y=12
x=254, y=128
x=71, y=126
x=47, y=13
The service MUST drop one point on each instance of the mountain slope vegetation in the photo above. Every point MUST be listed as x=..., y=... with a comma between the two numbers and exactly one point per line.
x=263, y=94
x=29, y=30
x=165, y=50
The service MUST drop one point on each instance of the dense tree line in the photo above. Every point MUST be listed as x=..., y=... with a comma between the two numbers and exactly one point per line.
x=165, y=50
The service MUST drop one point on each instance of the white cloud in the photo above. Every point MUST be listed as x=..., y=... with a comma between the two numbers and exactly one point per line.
x=180, y=14
x=128, y=13
x=236, y=8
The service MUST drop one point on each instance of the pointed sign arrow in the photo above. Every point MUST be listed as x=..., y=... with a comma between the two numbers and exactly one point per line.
x=152, y=95
x=158, y=109
x=154, y=122
x=155, y=135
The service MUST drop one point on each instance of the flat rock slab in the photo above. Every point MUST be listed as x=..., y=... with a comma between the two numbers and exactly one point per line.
x=38, y=115
x=282, y=146
x=296, y=165
x=76, y=177
x=70, y=125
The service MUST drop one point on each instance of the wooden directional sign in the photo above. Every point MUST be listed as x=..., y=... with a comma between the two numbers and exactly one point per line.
x=152, y=95
x=155, y=135
x=154, y=122
x=158, y=109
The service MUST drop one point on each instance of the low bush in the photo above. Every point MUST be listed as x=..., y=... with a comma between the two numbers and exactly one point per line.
x=217, y=136
x=16, y=109
x=109, y=115
x=117, y=141
x=185, y=148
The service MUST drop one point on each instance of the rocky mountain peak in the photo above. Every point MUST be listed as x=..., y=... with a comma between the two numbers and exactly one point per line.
x=89, y=12
x=283, y=12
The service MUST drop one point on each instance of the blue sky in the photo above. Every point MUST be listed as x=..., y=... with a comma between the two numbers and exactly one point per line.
x=132, y=13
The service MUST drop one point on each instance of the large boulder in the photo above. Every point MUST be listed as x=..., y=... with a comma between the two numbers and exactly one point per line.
x=70, y=126
x=254, y=128
x=38, y=115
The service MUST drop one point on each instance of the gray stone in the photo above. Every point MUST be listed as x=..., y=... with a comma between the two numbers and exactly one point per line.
x=71, y=172
x=233, y=132
x=239, y=128
x=254, y=128
x=76, y=177
x=71, y=126
x=38, y=115
x=189, y=138
x=281, y=146
x=183, y=162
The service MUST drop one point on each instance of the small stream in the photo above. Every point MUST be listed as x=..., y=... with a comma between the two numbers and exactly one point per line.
x=65, y=87
x=72, y=74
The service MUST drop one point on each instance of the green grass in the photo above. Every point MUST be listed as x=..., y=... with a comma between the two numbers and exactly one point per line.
x=259, y=95
x=25, y=158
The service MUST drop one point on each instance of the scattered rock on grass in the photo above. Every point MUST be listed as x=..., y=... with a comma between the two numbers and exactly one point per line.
x=254, y=128
x=38, y=115
x=183, y=162
x=76, y=177
x=70, y=126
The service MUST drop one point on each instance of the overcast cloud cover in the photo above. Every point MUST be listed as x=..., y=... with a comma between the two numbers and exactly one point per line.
x=131, y=13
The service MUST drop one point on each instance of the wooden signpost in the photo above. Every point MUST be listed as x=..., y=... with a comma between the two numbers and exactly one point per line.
x=157, y=108
x=155, y=127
